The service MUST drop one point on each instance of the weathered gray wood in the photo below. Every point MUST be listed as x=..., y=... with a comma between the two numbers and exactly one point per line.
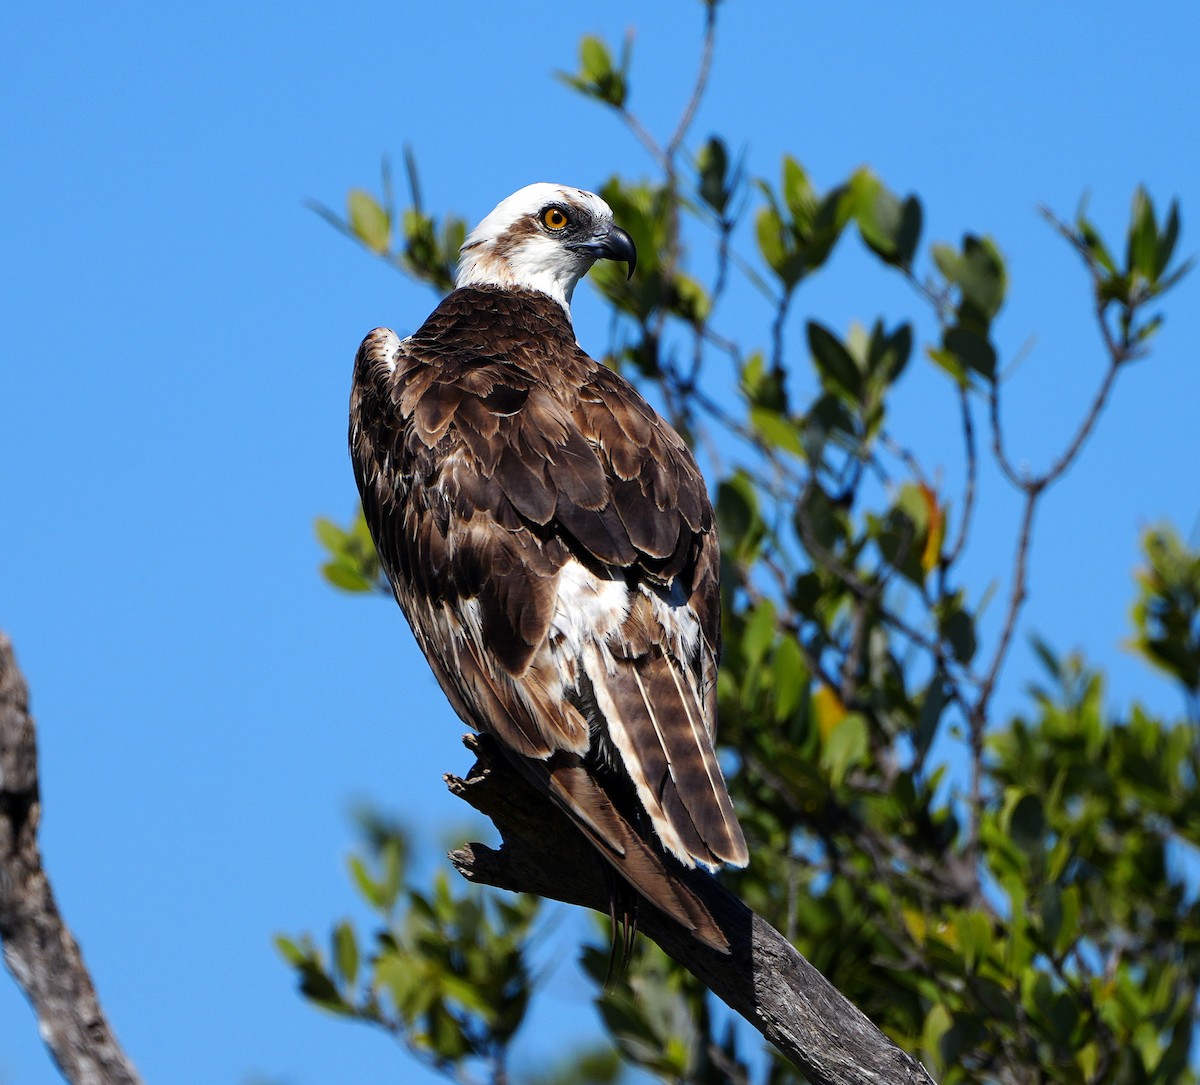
x=38, y=948
x=763, y=977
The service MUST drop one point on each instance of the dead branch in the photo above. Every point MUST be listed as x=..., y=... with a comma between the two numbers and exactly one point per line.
x=763, y=978
x=39, y=950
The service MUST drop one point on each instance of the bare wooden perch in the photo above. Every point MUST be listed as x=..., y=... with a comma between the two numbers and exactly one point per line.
x=38, y=948
x=764, y=978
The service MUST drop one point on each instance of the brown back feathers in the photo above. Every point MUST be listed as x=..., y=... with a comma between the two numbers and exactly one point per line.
x=550, y=539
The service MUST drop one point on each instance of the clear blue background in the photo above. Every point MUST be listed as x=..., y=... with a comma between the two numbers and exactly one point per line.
x=176, y=332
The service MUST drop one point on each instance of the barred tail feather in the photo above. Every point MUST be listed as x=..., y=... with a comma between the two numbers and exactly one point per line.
x=655, y=719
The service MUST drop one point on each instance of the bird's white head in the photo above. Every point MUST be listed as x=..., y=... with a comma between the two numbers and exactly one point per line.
x=544, y=237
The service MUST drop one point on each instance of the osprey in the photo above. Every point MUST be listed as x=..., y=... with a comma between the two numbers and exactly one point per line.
x=552, y=545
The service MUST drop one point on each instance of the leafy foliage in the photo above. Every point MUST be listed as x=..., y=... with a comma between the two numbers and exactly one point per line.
x=412, y=241
x=1167, y=612
x=446, y=972
x=353, y=564
x=1014, y=907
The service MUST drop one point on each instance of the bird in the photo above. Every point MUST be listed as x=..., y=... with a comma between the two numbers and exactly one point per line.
x=550, y=539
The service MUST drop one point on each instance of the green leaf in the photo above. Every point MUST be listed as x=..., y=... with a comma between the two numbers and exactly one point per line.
x=798, y=195
x=1052, y=913
x=454, y=233
x=887, y=355
x=837, y=368
x=957, y=627
x=392, y=880
x=1166, y=241
x=590, y=1066
x=979, y=273
x=289, y=950
x=819, y=521
x=763, y=387
x=598, y=78
x=759, y=632
x=830, y=218
x=364, y=882
x=344, y=576
x=933, y=704
x=368, y=220
x=396, y=975
x=982, y=275
x=1167, y=611
x=332, y=537
x=807, y=594
x=798, y=236
x=345, y=952
x=1142, y=243
x=771, y=243
x=937, y=1024
x=594, y=58
x=738, y=519
x=1027, y=823
x=828, y=419
x=974, y=930
x=446, y=1035
x=876, y=210
x=909, y=235
x=790, y=678
x=972, y=350
x=903, y=534
x=947, y=260
x=950, y=362
x=467, y=995
x=844, y=747
x=776, y=430
x=1094, y=243
x=712, y=164
x=318, y=987
x=890, y=227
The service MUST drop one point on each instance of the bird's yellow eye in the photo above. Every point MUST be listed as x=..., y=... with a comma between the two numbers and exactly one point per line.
x=555, y=218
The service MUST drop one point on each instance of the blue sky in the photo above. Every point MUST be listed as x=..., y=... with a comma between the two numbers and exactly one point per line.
x=175, y=341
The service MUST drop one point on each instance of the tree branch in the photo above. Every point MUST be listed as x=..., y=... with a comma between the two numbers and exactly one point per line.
x=39, y=950
x=968, y=427
x=763, y=978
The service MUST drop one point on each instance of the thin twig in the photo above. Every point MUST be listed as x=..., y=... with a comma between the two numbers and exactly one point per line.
x=1120, y=351
x=701, y=84
x=905, y=456
x=642, y=135
x=852, y=661
x=964, y=525
x=666, y=159
x=977, y=717
x=1060, y=466
x=998, y=452
x=939, y=299
x=777, y=333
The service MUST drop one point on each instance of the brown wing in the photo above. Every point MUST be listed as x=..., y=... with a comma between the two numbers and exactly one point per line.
x=552, y=545
x=659, y=701
x=476, y=584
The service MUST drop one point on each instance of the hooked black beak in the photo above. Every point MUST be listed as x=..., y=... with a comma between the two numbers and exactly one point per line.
x=616, y=244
